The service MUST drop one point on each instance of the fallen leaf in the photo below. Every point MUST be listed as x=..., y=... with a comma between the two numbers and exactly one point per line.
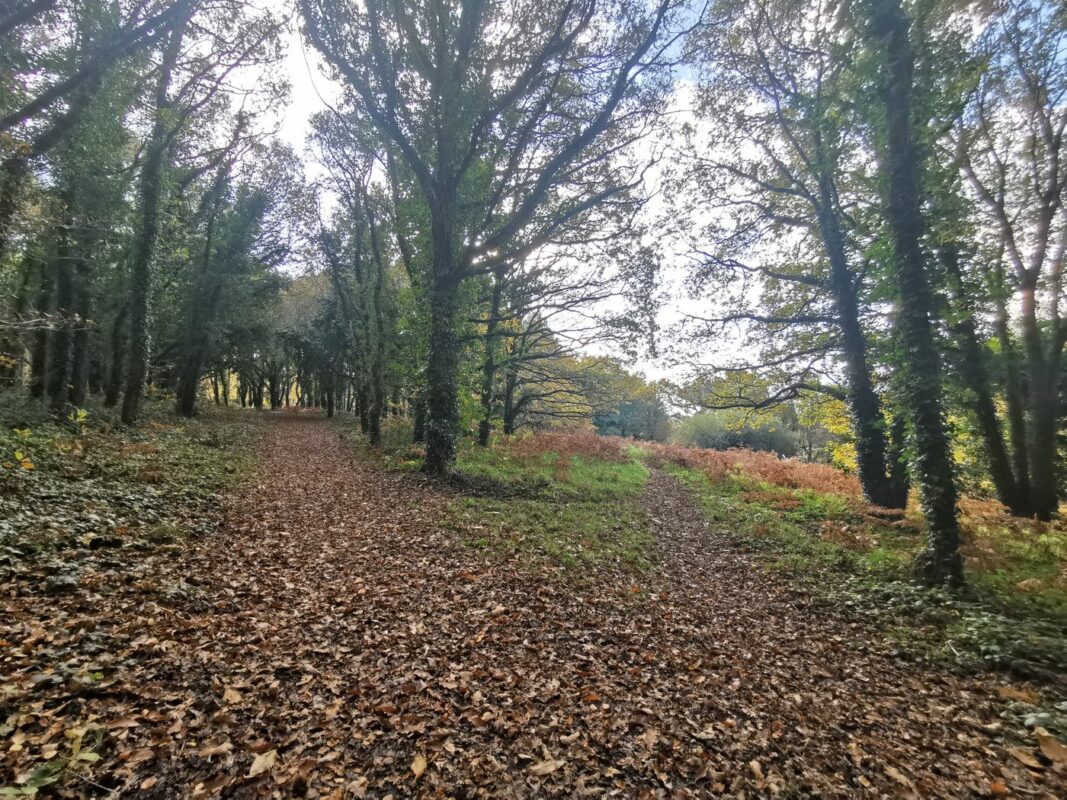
x=1018, y=695
x=216, y=749
x=231, y=696
x=1026, y=757
x=1053, y=749
x=898, y=776
x=545, y=767
x=263, y=763
x=418, y=765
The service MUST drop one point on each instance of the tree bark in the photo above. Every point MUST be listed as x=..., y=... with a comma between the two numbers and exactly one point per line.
x=1042, y=405
x=976, y=378
x=865, y=410
x=117, y=365
x=13, y=348
x=140, y=297
x=940, y=563
x=39, y=351
x=488, y=396
x=442, y=402
x=61, y=336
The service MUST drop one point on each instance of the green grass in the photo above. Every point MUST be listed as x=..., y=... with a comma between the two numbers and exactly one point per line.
x=580, y=478
x=576, y=513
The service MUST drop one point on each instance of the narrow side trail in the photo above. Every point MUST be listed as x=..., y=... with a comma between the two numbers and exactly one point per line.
x=331, y=642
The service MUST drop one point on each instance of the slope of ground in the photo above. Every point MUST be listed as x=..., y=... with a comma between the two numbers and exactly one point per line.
x=334, y=640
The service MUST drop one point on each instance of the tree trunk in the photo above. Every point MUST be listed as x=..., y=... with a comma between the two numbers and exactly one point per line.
x=865, y=410
x=39, y=351
x=418, y=432
x=80, y=366
x=140, y=296
x=1042, y=406
x=61, y=336
x=117, y=366
x=511, y=383
x=1014, y=401
x=940, y=563
x=976, y=378
x=488, y=397
x=13, y=348
x=442, y=407
x=899, y=482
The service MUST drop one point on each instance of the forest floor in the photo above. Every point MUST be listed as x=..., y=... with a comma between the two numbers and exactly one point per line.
x=334, y=639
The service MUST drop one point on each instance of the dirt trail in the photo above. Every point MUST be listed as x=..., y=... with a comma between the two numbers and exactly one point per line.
x=336, y=643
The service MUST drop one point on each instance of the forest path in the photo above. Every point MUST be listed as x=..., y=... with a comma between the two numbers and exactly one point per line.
x=338, y=645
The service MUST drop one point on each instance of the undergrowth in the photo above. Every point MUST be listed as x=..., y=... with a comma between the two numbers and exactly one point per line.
x=858, y=558
x=86, y=482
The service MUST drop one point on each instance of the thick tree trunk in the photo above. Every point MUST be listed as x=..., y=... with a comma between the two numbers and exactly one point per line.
x=940, y=563
x=442, y=423
x=865, y=410
x=976, y=378
x=140, y=296
x=1042, y=406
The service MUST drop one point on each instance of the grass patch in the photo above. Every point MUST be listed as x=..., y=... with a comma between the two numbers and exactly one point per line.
x=552, y=506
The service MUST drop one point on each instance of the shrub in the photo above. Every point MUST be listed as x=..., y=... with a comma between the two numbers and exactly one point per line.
x=720, y=431
x=787, y=472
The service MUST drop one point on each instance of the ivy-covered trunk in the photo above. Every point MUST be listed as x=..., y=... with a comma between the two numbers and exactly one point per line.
x=442, y=390
x=1042, y=405
x=865, y=409
x=940, y=563
x=975, y=376
x=140, y=290
x=442, y=417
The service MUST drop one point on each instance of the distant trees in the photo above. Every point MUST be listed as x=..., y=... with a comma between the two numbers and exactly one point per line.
x=122, y=144
x=509, y=119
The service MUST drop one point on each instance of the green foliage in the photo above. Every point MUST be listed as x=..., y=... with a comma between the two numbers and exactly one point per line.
x=101, y=484
x=722, y=430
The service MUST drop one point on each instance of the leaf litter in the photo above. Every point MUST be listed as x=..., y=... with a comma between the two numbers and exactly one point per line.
x=336, y=642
